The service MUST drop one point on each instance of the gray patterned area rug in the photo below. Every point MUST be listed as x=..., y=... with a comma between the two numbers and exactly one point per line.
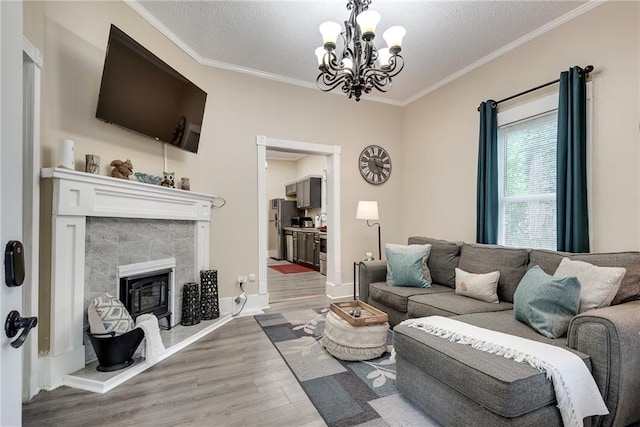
x=345, y=393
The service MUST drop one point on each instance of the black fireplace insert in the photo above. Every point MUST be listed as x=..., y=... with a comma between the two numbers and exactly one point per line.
x=143, y=294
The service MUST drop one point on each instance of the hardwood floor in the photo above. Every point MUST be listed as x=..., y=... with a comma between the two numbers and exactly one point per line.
x=290, y=286
x=232, y=377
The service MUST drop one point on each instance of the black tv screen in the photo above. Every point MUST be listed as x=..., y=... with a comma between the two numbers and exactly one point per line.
x=140, y=92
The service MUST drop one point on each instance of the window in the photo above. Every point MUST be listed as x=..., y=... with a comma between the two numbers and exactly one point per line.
x=527, y=182
x=527, y=142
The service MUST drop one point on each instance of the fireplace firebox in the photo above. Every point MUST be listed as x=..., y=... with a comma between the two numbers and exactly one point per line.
x=144, y=294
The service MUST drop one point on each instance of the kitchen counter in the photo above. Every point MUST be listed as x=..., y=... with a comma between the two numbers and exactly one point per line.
x=306, y=230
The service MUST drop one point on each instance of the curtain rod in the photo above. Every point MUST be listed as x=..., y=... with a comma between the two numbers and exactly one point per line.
x=587, y=70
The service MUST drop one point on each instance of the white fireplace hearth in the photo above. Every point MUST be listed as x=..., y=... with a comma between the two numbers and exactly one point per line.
x=74, y=197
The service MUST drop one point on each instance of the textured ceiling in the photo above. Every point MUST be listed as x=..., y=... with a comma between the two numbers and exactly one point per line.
x=277, y=39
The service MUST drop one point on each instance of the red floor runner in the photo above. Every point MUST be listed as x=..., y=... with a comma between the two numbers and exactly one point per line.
x=291, y=268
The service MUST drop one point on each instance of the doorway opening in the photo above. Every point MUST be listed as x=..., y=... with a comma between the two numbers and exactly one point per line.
x=332, y=280
x=296, y=194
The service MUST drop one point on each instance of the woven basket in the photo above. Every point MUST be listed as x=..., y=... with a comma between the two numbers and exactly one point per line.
x=347, y=342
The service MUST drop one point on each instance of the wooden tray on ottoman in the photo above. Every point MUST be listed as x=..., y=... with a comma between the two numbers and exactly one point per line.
x=368, y=315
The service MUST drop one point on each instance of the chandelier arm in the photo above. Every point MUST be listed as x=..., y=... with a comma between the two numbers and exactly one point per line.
x=326, y=85
x=331, y=64
x=395, y=68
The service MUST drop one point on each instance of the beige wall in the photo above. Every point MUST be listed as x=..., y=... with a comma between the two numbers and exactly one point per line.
x=432, y=142
x=73, y=36
x=441, y=129
x=279, y=172
x=311, y=165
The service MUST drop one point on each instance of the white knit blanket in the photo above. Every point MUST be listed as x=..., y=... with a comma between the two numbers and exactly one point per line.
x=576, y=391
x=153, y=342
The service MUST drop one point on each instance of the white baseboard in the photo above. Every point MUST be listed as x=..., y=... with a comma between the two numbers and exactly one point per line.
x=344, y=290
x=52, y=369
x=254, y=305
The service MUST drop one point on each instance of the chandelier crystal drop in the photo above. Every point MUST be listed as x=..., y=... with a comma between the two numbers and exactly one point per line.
x=360, y=67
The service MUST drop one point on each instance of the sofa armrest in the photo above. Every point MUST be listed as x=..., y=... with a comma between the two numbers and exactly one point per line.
x=370, y=272
x=611, y=337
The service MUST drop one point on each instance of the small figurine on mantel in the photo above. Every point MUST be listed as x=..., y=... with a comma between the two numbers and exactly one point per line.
x=169, y=179
x=121, y=169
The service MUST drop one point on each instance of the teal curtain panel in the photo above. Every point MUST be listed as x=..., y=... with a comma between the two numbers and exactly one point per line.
x=487, y=199
x=572, y=215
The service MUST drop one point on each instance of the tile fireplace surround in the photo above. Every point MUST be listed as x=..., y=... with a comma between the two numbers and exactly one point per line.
x=71, y=197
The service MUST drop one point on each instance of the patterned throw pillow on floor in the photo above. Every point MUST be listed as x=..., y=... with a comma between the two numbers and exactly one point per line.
x=107, y=314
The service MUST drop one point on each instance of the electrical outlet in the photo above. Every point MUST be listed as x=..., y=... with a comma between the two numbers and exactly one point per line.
x=240, y=279
x=244, y=279
x=252, y=277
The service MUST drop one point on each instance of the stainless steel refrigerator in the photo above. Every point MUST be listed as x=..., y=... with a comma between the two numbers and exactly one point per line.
x=280, y=216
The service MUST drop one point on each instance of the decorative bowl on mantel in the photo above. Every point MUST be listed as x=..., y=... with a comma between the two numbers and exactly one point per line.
x=147, y=179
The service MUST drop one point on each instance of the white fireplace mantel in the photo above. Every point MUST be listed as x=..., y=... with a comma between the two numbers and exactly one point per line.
x=75, y=196
x=85, y=194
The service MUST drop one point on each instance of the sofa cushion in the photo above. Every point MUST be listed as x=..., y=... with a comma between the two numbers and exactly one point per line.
x=598, y=285
x=408, y=249
x=630, y=286
x=405, y=268
x=478, y=286
x=510, y=262
x=504, y=386
x=443, y=259
x=450, y=304
x=547, y=303
x=396, y=296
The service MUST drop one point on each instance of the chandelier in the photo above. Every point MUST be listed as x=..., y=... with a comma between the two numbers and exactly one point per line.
x=360, y=67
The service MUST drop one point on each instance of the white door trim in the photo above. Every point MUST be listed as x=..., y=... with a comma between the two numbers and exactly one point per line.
x=32, y=69
x=333, y=287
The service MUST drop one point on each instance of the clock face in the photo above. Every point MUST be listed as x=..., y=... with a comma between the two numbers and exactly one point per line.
x=375, y=164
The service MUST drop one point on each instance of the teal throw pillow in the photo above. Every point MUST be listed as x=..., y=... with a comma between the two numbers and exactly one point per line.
x=547, y=303
x=406, y=269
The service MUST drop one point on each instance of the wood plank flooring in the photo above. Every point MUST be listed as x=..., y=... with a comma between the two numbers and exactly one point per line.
x=232, y=377
x=297, y=285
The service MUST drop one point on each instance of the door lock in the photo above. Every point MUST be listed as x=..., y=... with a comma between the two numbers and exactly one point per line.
x=14, y=263
x=14, y=323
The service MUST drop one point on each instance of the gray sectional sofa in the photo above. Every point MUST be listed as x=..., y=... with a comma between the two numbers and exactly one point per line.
x=458, y=385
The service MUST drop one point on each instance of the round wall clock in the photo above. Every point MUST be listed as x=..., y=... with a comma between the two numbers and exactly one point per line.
x=375, y=164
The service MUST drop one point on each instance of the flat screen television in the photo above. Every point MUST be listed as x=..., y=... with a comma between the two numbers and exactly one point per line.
x=141, y=93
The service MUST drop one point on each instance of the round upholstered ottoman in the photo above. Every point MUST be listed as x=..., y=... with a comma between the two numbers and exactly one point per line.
x=347, y=342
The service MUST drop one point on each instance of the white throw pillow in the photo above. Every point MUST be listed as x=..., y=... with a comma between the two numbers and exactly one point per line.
x=107, y=314
x=479, y=286
x=412, y=249
x=599, y=285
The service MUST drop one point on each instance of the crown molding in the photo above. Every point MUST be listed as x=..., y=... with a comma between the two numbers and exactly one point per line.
x=591, y=4
x=511, y=46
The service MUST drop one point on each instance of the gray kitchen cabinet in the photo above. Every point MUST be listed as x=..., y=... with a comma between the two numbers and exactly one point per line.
x=300, y=194
x=306, y=249
x=309, y=250
x=294, y=255
x=291, y=189
x=316, y=251
x=308, y=193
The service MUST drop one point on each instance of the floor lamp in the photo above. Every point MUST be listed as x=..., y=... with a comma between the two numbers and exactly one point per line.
x=367, y=210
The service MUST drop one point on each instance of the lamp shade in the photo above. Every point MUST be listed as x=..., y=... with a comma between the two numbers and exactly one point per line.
x=330, y=31
x=368, y=20
x=348, y=65
x=367, y=210
x=320, y=55
x=393, y=36
x=384, y=56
